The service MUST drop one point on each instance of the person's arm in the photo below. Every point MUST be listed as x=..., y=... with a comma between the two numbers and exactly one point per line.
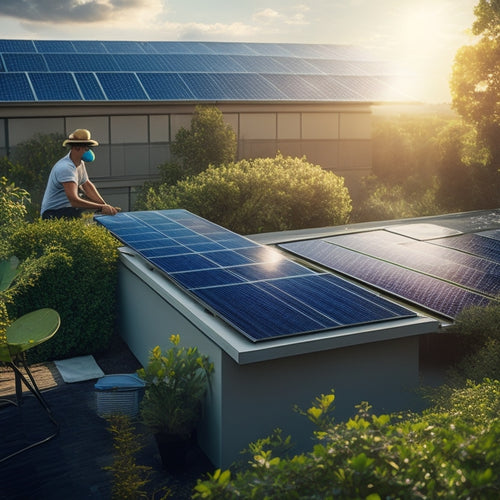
x=95, y=201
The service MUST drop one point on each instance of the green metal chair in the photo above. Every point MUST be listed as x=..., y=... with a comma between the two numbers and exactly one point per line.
x=27, y=332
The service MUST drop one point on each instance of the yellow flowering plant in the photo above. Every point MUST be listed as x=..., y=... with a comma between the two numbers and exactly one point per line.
x=176, y=382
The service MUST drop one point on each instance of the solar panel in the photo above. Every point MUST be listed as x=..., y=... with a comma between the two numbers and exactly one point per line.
x=295, y=87
x=165, y=86
x=122, y=87
x=140, y=62
x=125, y=47
x=16, y=46
x=89, y=87
x=122, y=59
x=202, y=86
x=257, y=290
x=87, y=62
x=444, y=263
x=15, y=87
x=25, y=62
x=88, y=47
x=45, y=46
x=247, y=86
x=475, y=244
x=437, y=295
x=55, y=86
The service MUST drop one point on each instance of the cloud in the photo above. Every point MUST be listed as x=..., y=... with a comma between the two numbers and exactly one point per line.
x=71, y=11
x=295, y=16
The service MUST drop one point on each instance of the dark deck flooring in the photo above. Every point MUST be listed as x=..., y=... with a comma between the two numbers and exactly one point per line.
x=71, y=466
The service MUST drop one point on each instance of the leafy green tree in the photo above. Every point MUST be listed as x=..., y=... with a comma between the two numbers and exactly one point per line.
x=208, y=141
x=260, y=195
x=475, y=88
x=30, y=163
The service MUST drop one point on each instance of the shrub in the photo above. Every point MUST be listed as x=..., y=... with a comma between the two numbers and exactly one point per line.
x=478, y=331
x=260, y=195
x=13, y=201
x=432, y=455
x=71, y=267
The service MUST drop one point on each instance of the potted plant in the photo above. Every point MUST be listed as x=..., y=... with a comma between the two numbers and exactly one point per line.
x=176, y=382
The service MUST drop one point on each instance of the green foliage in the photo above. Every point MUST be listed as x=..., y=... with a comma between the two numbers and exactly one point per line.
x=437, y=454
x=13, y=201
x=475, y=88
x=260, y=195
x=176, y=383
x=31, y=162
x=129, y=478
x=209, y=141
x=478, y=330
x=387, y=202
x=71, y=267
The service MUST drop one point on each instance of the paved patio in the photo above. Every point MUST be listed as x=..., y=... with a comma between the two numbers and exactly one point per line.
x=71, y=465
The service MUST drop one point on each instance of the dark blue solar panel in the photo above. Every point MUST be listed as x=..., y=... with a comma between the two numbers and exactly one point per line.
x=185, y=63
x=140, y=62
x=252, y=287
x=447, y=264
x=165, y=86
x=259, y=64
x=247, y=86
x=260, y=315
x=17, y=46
x=15, y=87
x=89, y=87
x=331, y=88
x=25, y=62
x=271, y=49
x=89, y=62
x=295, y=87
x=45, y=46
x=55, y=87
x=88, y=47
x=224, y=64
x=122, y=87
x=229, y=48
x=475, y=244
x=174, y=47
x=203, y=86
x=296, y=66
x=125, y=47
x=494, y=234
x=434, y=294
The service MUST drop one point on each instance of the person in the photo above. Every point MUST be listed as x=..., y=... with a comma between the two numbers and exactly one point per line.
x=68, y=177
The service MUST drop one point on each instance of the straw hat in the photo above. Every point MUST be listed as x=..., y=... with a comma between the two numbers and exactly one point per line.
x=80, y=137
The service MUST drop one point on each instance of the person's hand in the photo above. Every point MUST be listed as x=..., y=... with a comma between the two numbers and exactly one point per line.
x=109, y=210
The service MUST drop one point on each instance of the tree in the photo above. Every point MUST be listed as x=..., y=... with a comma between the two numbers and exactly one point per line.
x=209, y=141
x=475, y=88
x=31, y=162
x=260, y=195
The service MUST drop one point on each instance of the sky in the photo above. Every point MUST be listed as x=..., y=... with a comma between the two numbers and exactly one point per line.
x=421, y=36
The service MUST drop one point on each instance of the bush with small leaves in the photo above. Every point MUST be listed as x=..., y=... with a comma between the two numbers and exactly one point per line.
x=74, y=270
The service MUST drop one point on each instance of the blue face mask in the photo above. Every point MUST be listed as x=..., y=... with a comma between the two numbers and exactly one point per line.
x=88, y=156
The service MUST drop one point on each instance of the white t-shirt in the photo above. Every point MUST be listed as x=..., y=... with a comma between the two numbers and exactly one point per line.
x=63, y=171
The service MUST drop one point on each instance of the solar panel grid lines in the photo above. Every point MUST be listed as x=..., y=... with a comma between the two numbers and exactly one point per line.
x=469, y=271
x=55, y=86
x=441, y=297
x=15, y=87
x=247, y=285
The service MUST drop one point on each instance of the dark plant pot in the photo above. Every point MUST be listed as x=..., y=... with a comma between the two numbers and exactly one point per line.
x=174, y=451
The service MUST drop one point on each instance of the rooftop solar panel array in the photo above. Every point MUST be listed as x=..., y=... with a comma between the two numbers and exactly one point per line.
x=416, y=263
x=253, y=288
x=317, y=72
